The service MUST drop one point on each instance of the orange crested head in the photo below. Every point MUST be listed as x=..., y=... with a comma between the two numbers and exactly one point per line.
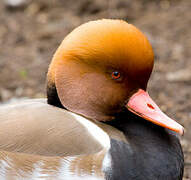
x=107, y=42
x=99, y=67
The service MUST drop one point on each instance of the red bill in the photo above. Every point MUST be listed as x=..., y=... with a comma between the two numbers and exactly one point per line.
x=141, y=104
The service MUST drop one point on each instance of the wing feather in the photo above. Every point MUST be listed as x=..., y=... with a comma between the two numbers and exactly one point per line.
x=38, y=128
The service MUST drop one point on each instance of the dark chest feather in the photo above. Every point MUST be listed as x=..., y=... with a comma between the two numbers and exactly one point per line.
x=152, y=153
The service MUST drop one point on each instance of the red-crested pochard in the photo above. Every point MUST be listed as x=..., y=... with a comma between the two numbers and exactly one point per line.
x=99, y=123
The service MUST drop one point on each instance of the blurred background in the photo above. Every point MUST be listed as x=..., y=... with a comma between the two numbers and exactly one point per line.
x=31, y=30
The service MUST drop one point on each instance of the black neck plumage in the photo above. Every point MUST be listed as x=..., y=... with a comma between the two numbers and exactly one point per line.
x=52, y=96
x=152, y=152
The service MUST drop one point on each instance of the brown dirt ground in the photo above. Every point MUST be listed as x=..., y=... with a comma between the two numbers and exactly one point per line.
x=30, y=34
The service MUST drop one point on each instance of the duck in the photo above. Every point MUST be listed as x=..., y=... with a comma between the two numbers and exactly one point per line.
x=98, y=121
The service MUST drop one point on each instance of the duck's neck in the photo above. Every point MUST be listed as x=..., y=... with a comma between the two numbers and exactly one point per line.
x=52, y=95
x=152, y=152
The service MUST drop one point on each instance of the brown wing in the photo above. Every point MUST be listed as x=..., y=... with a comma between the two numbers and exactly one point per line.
x=38, y=128
x=35, y=127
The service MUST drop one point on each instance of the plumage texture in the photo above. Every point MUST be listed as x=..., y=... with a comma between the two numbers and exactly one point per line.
x=89, y=133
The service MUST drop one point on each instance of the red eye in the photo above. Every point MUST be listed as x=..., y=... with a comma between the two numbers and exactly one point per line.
x=116, y=75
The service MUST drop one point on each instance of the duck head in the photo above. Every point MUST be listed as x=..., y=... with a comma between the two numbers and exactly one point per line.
x=102, y=67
